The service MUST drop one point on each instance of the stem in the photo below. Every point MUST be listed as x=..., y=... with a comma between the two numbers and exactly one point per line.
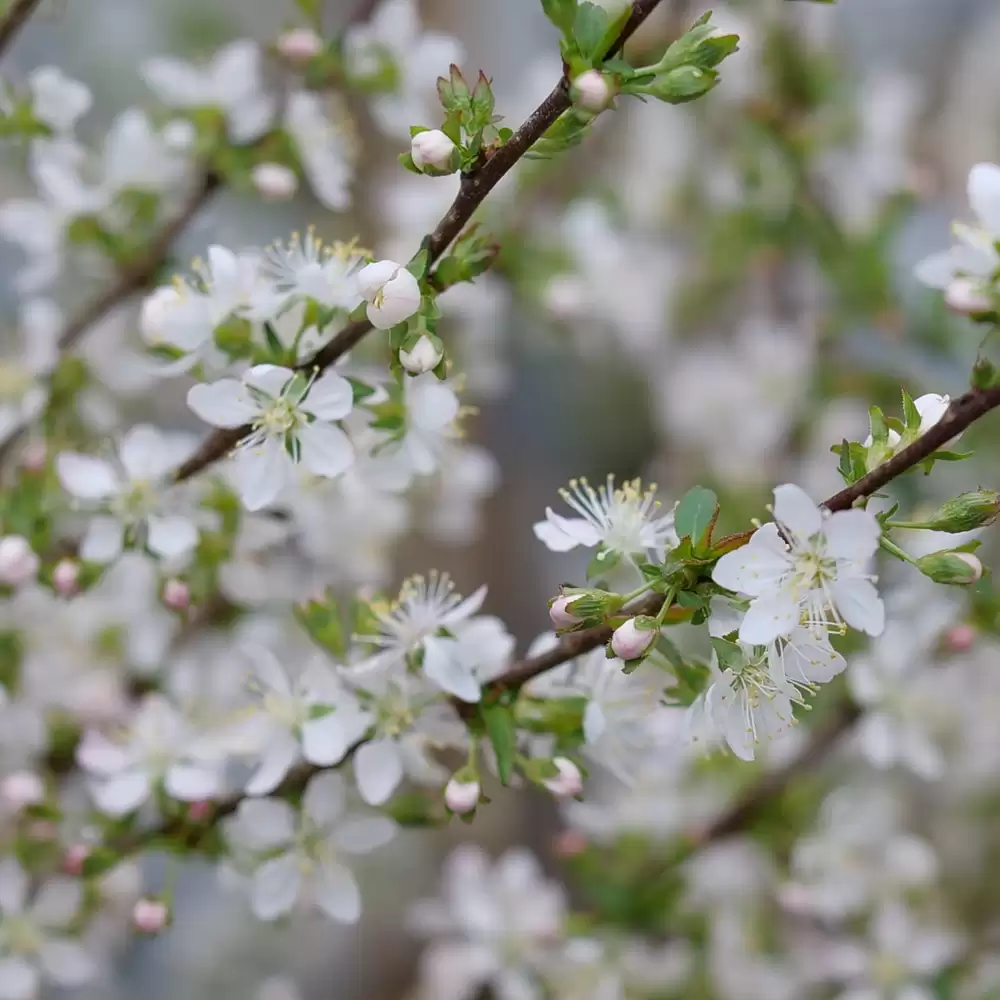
x=14, y=19
x=472, y=193
x=894, y=550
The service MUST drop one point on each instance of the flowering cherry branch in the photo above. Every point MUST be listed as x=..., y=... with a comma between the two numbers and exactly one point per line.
x=14, y=19
x=476, y=184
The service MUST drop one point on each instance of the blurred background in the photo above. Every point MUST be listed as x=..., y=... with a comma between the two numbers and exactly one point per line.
x=709, y=294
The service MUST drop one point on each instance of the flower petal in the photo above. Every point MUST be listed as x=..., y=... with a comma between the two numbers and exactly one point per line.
x=263, y=824
x=378, y=770
x=330, y=397
x=66, y=963
x=123, y=793
x=86, y=477
x=326, y=450
x=443, y=666
x=18, y=979
x=103, y=541
x=431, y=405
x=984, y=195
x=277, y=762
x=860, y=606
x=144, y=454
x=171, y=537
x=323, y=740
x=795, y=510
x=852, y=535
x=191, y=782
x=325, y=799
x=261, y=473
x=755, y=568
x=225, y=403
x=768, y=618
x=363, y=835
x=275, y=887
x=269, y=379
x=337, y=893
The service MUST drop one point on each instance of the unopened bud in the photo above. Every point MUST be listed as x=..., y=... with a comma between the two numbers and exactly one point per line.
x=559, y=615
x=200, y=811
x=176, y=595
x=18, y=562
x=21, y=789
x=966, y=512
x=300, y=45
x=931, y=407
x=433, y=152
x=960, y=638
x=958, y=568
x=592, y=91
x=569, y=844
x=274, y=181
x=34, y=456
x=462, y=796
x=967, y=297
x=66, y=577
x=568, y=782
x=74, y=858
x=157, y=309
x=150, y=916
x=629, y=641
x=391, y=291
x=425, y=356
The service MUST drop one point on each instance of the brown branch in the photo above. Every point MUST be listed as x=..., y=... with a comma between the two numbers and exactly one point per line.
x=475, y=186
x=14, y=19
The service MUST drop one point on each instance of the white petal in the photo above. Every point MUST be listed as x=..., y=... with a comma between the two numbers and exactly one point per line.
x=984, y=195
x=852, y=535
x=364, y=835
x=171, y=537
x=98, y=755
x=323, y=740
x=724, y=616
x=66, y=963
x=269, y=669
x=57, y=902
x=103, y=541
x=594, y=722
x=225, y=403
x=326, y=449
x=261, y=473
x=275, y=887
x=324, y=799
x=443, y=666
x=277, y=762
x=768, y=618
x=879, y=741
x=432, y=406
x=576, y=527
x=938, y=270
x=145, y=454
x=755, y=568
x=13, y=886
x=264, y=824
x=860, y=606
x=86, y=477
x=466, y=608
x=331, y=397
x=931, y=407
x=337, y=893
x=174, y=81
x=806, y=658
x=553, y=538
x=18, y=979
x=378, y=770
x=123, y=793
x=191, y=782
x=796, y=511
x=269, y=379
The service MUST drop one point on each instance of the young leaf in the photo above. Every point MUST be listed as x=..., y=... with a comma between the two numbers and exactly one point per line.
x=561, y=13
x=695, y=514
x=499, y=722
x=589, y=26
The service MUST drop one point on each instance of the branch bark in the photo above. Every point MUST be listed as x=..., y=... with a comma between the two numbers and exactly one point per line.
x=14, y=19
x=472, y=193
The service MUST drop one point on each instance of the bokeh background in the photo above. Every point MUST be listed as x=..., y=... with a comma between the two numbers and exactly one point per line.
x=709, y=294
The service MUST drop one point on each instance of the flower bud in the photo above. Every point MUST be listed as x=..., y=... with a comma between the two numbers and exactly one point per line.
x=569, y=844
x=960, y=638
x=559, y=615
x=568, y=782
x=959, y=568
x=591, y=91
x=200, y=811
x=392, y=293
x=157, y=308
x=150, y=916
x=424, y=357
x=274, y=181
x=565, y=298
x=967, y=297
x=299, y=45
x=966, y=512
x=461, y=796
x=66, y=577
x=931, y=407
x=433, y=152
x=629, y=642
x=74, y=858
x=34, y=457
x=21, y=789
x=179, y=135
x=177, y=595
x=18, y=563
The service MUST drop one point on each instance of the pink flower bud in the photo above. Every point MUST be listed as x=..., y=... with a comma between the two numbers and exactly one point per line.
x=960, y=638
x=629, y=641
x=150, y=916
x=591, y=91
x=966, y=297
x=569, y=844
x=177, y=595
x=74, y=858
x=274, y=182
x=21, y=789
x=300, y=45
x=198, y=812
x=34, y=456
x=433, y=149
x=18, y=563
x=568, y=782
x=65, y=577
x=461, y=796
x=559, y=616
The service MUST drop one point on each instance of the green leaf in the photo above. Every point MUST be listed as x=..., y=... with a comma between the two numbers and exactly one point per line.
x=418, y=266
x=695, y=514
x=361, y=389
x=274, y=345
x=312, y=9
x=499, y=722
x=561, y=13
x=589, y=26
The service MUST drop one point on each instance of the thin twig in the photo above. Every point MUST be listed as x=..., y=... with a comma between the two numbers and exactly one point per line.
x=14, y=19
x=474, y=188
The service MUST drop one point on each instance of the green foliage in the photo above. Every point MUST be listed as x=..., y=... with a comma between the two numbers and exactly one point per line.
x=498, y=720
x=695, y=516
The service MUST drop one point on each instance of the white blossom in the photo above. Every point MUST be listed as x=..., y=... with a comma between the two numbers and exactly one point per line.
x=58, y=100
x=306, y=268
x=325, y=147
x=292, y=420
x=274, y=181
x=391, y=291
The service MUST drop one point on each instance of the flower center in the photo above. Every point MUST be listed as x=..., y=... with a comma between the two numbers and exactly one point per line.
x=134, y=505
x=283, y=709
x=279, y=418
